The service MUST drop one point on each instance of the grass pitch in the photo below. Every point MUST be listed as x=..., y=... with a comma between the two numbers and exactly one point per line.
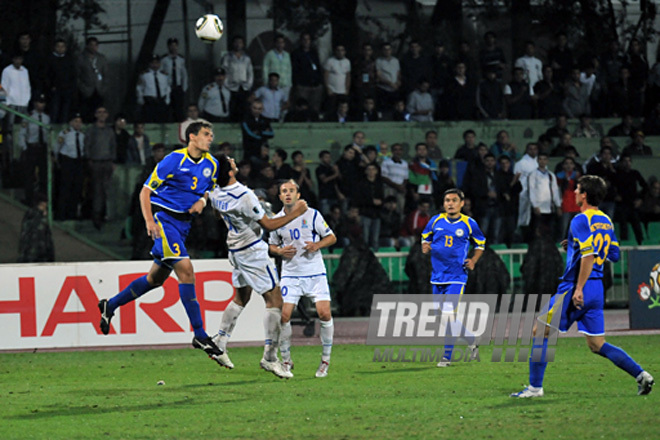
x=114, y=394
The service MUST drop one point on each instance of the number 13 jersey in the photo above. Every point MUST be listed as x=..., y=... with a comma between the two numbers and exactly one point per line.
x=591, y=233
x=310, y=226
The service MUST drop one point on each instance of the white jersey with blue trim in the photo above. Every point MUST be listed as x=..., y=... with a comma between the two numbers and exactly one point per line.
x=310, y=226
x=240, y=210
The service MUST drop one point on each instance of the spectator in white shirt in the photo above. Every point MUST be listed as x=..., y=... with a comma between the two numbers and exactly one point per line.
x=153, y=92
x=273, y=98
x=532, y=66
x=215, y=100
x=420, y=103
x=388, y=72
x=240, y=77
x=545, y=198
x=337, y=77
x=16, y=84
x=394, y=172
x=174, y=66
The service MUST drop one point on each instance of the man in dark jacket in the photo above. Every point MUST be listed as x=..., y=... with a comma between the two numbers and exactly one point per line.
x=61, y=78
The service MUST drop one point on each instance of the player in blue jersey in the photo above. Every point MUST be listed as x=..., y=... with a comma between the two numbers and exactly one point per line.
x=177, y=190
x=591, y=240
x=448, y=236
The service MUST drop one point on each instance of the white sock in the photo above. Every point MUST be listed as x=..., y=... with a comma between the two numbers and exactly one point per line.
x=272, y=329
x=327, y=331
x=285, y=342
x=229, y=318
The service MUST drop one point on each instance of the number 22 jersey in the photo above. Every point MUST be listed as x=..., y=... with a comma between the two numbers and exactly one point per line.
x=591, y=233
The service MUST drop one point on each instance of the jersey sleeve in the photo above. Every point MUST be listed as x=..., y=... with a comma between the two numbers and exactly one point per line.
x=427, y=234
x=477, y=237
x=321, y=226
x=274, y=238
x=614, y=252
x=582, y=236
x=252, y=208
x=163, y=170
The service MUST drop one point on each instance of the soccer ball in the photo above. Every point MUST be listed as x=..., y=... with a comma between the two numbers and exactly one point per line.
x=209, y=28
x=654, y=279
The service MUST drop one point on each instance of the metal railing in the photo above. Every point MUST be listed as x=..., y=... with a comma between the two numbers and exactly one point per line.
x=394, y=263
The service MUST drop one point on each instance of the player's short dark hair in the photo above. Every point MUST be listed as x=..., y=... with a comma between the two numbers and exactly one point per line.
x=594, y=187
x=195, y=127
x=224, y=167
x=282, y=154
x=282, y=182
x=456, y=191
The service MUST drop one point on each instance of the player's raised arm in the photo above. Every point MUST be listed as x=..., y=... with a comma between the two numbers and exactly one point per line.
x=271, y=224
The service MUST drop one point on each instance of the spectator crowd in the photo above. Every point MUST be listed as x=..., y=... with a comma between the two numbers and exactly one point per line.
x=372, y=194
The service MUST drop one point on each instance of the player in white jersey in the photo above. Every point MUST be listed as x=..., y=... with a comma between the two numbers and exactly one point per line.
x=248, y=253
x=303, y=271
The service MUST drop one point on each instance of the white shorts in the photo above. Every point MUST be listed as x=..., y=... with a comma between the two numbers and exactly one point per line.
x=313, y=287
x=253, y=267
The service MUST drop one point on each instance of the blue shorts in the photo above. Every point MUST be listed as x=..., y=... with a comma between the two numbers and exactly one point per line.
x=590, y=318
x=170, y=247
x=448, y=303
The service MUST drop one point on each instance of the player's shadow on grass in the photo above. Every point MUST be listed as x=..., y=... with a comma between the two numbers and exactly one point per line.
x=73, y=411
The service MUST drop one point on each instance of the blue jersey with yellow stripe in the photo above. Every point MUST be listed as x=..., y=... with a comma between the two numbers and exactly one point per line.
x=450, y=242
x=178, y=181
x=591, y=233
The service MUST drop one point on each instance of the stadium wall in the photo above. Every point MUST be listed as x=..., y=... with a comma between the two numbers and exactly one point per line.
x=55, y=306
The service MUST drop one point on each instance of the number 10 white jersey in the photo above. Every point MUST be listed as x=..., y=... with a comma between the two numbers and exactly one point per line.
x=310, y=226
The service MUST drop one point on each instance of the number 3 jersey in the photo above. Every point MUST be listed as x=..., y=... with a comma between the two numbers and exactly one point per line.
x=308, y=227
x=241, y=211
x=591, y=233
x=178, y=181
x=450, y=242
